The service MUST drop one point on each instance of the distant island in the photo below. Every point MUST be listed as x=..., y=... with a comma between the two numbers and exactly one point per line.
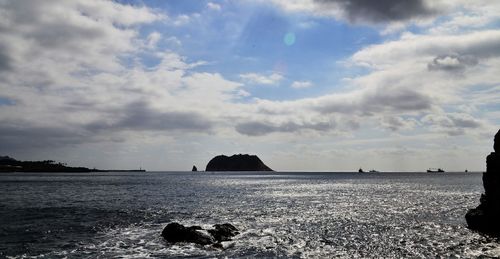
x=240, y=162
x=9, y=164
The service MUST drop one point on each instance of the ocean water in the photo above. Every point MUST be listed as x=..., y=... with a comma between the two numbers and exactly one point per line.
x=351, y=215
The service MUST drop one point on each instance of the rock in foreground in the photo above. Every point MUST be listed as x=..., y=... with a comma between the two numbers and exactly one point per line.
x=237, y=163
x=486, y=217
x=175, y=232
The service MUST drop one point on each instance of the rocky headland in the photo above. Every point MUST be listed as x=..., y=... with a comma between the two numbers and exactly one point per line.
x=238, y=162
x=486, y=217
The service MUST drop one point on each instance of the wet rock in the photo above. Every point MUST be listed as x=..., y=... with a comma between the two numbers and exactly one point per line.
x=194, y=169
x=486, y=217
x=175, y=232
x=223, y=232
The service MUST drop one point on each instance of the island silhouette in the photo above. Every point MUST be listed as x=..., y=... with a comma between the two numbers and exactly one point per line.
x=239, y=162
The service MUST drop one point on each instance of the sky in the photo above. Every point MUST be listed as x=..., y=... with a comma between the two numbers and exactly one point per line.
x=310, y=85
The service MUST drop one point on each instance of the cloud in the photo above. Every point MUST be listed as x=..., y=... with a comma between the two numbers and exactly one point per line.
x=365, y=11
x=256, y=128
x=395, y=123
x=213, y=6
x=139, y=116
x=153, y=39
x=452, y=63
x=255, y=78
x=24, y=135
x=452, y=124
x=360, y=11
x=373, y=101
x=69, y=72
x=5, y=59
x=479, y=45
x=301, y=84
x=184, y=19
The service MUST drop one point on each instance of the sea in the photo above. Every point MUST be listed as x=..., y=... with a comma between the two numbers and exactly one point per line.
x=278, y=214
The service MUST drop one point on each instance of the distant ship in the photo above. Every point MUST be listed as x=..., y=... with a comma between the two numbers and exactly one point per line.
x=434, y=170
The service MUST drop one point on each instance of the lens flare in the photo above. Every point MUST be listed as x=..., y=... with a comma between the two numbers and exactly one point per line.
x=289, y=39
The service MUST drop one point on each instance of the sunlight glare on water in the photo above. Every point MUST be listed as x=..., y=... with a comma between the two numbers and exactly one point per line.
x=278, y=214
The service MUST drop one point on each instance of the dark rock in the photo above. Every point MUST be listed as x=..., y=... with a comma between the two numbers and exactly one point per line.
x=496, y=144
x=223, y=232
x=237, y=163
x=175, y=232
x=486, y=217
x=194, y=168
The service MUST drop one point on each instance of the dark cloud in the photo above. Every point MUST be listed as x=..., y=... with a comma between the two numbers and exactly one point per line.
x=384, y=99
x=453, y=124
x=465, y=122
x=23, y=136
x=395, y=123
x=397, y=100
x=263, y=128
x=139, y=116
x=53, y=33
x=452, y=63
x=5, y=60
x=379, y=11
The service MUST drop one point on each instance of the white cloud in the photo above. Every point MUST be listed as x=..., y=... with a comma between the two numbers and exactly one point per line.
x=153, y=39
x=301, y=84
x=185, y=19
x=213, y=6
x=174, y=41
x=254, y=78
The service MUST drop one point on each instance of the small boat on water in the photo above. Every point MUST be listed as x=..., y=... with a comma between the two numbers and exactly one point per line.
x=434, y=170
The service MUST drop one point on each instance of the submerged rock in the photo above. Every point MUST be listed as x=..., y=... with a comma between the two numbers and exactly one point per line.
x=237, y=163
x=486, y=217
x=175, y=232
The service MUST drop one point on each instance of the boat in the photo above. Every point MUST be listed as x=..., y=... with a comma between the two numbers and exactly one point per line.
x=434, y=170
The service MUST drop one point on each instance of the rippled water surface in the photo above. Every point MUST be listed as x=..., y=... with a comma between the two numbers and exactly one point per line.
x=279, y=214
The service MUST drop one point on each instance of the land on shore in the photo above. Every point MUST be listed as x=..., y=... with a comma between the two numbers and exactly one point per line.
x=9, y=165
